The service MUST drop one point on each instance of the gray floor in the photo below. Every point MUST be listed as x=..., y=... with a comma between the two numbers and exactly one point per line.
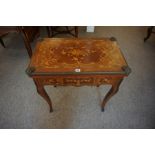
x=79, y=107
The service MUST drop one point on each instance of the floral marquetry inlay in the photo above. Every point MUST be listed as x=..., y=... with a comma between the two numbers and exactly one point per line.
x=58, y=55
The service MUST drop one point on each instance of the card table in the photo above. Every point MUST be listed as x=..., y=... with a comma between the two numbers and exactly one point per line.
x=77, y=62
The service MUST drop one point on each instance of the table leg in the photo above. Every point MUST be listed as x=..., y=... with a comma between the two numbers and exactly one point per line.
x=48, y=31
x=41, y=91
x=76, y=31
x=149, y=31
x=1, y=41
x=114, y=89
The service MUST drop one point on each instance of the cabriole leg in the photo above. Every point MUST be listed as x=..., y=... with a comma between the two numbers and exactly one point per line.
x=41, y=91
x=114, y=89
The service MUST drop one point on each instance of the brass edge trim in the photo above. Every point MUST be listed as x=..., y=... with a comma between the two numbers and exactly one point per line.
x=126, y=69
x=113, y=39
x=75, y=73
x=30, y=71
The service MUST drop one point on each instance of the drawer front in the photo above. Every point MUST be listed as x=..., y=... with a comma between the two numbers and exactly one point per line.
x=67, y=81
x=51, y=81
x=104, y=80
x=77, y=81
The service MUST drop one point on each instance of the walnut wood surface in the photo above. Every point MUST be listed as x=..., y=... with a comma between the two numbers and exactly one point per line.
x=77, y=62
x=66, y=55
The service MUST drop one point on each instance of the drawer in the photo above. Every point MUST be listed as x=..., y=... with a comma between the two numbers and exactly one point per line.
x=50, y=81
x=78, y=81
x=73, y=81
x=104, y=80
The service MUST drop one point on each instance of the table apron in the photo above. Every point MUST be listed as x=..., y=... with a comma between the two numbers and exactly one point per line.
x=95, y=80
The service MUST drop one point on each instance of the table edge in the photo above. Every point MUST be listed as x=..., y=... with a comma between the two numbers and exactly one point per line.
x=126, y=70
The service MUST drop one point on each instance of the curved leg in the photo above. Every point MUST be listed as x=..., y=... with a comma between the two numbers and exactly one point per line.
x=114, y=89
x=48, y=31
x=42, y=92
x=28, y=47
x=149, y=31
x=26, y=41
x=52, y=31
x=76, y=31
x=67, y=29
x=1, y=41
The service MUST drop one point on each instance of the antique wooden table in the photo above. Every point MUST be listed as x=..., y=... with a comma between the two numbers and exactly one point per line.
x=77, y=62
